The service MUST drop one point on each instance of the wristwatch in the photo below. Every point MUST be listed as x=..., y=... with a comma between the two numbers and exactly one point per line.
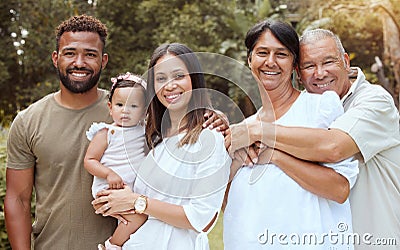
x=140, y=204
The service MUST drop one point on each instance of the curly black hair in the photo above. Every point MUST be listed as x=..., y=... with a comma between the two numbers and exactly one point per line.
x=81, y=23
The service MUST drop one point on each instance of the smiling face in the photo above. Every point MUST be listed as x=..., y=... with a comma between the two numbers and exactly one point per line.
x=127, y=106
x=172, y=83
x=79, y=60
x=271, y=62
x=323, y=68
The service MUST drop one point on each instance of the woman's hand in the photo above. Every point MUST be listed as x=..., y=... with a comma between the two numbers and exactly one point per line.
x=120, y=217
x=216, y=119
x=239, y=136
x=248, y=132
x=113, y=202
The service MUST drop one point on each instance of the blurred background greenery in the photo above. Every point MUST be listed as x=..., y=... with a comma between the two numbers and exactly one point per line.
x=136, y=28
x=369, y=30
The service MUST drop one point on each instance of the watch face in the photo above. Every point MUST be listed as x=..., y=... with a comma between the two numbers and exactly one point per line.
x=140, y=204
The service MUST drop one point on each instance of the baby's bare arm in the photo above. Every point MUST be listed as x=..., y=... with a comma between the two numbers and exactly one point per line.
x=124, y=231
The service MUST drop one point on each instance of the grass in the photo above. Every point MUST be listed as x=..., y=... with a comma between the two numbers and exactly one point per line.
x=215, y=236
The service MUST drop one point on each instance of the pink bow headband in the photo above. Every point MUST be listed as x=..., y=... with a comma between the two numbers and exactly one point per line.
x=129, y=77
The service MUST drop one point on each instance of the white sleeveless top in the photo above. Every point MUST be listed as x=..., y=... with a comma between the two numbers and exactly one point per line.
x=267, y=209
x=125, y=152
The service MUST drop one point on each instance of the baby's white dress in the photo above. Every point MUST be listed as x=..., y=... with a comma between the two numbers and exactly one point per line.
x=125, y=152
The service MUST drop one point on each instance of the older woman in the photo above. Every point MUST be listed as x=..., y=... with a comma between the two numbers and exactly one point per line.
x=283, y=202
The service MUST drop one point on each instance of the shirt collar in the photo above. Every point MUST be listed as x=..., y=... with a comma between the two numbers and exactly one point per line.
x=353, y=85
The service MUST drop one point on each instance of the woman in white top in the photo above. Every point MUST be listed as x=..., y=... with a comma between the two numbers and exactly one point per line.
x=282, y=202
x=181, y=184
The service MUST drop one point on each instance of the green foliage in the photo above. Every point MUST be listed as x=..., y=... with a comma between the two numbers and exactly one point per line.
x=206, y=26
x=360, y=32
x=137, y=27
x=27, y=40
x=8, y=63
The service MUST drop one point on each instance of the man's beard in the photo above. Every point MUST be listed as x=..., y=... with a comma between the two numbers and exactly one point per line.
x=79, y=87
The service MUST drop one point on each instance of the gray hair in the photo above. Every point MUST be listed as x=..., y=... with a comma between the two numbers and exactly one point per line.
x=310, y=36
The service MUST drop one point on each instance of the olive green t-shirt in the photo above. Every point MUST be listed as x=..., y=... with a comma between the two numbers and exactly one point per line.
x=52, y=139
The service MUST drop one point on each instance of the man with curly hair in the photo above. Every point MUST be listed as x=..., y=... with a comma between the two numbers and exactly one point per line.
x=46, y=147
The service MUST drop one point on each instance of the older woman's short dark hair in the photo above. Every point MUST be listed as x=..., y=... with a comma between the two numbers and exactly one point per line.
x=284, y=32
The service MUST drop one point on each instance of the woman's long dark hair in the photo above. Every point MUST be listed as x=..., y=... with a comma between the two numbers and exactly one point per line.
x=158, y=121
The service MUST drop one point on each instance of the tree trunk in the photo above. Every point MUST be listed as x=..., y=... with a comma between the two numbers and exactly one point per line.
x=391, y=41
